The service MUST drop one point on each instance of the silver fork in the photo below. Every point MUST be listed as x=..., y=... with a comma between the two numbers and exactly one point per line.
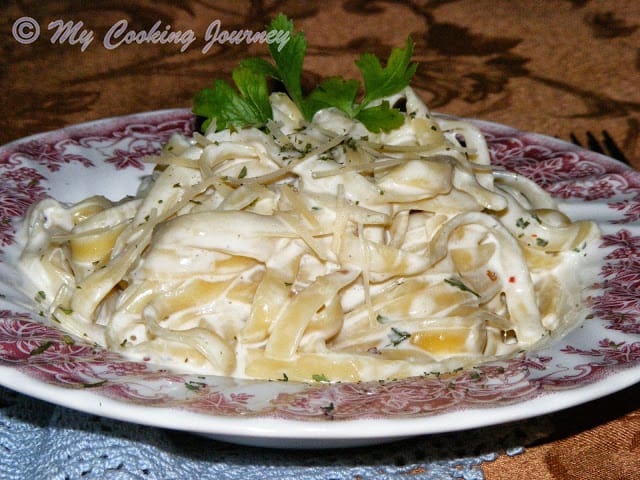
x=607, y=146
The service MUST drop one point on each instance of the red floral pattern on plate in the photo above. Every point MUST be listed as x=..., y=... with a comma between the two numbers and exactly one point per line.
x=610, y=345
x=51, y=155
x=19, y=188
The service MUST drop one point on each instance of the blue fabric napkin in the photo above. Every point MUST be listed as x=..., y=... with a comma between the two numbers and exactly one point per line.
x=41, y=440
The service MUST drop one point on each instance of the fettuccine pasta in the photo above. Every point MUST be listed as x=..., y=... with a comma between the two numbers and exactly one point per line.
x=314, y=251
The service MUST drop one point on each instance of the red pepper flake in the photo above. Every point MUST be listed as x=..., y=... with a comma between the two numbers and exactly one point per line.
x=492, y=275
x=512, y=279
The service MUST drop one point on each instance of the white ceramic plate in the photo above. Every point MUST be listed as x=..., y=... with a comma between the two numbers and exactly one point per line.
x=104, y=157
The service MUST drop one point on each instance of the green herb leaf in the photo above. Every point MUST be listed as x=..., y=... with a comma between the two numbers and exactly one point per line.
x=541, y=242
x=253, y=88
x=194, y=386
x=456, y=282
x=329, y=408
x=378, y=83
x=319, y=377
x=94, y=384
x=229, y=108
x=41, y=349
x=260, y=66
x=398, y=336
x=335, y=92
x=289, y=59
x=381, y=82
x=381, y=118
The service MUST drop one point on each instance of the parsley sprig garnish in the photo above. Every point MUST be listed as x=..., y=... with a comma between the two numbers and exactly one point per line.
x=229, y=108
x=249, y=106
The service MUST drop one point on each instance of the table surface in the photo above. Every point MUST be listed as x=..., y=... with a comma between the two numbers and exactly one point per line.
x=568, y=69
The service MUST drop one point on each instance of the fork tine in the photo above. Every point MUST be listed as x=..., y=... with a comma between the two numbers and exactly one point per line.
x=613, y=149
x=574, y=139
x=607, y=147
x=593, y=143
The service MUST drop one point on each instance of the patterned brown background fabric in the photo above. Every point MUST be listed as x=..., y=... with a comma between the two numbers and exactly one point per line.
x=558, y=67
x=554, y=66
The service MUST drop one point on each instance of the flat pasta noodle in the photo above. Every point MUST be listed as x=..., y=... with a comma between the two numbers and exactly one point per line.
x=314, y=251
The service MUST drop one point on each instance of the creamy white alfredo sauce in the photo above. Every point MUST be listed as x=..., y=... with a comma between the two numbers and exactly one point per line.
x=314, y=251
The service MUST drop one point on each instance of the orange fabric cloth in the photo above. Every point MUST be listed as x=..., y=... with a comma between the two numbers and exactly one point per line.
x=558, y=67
x=600, y=440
